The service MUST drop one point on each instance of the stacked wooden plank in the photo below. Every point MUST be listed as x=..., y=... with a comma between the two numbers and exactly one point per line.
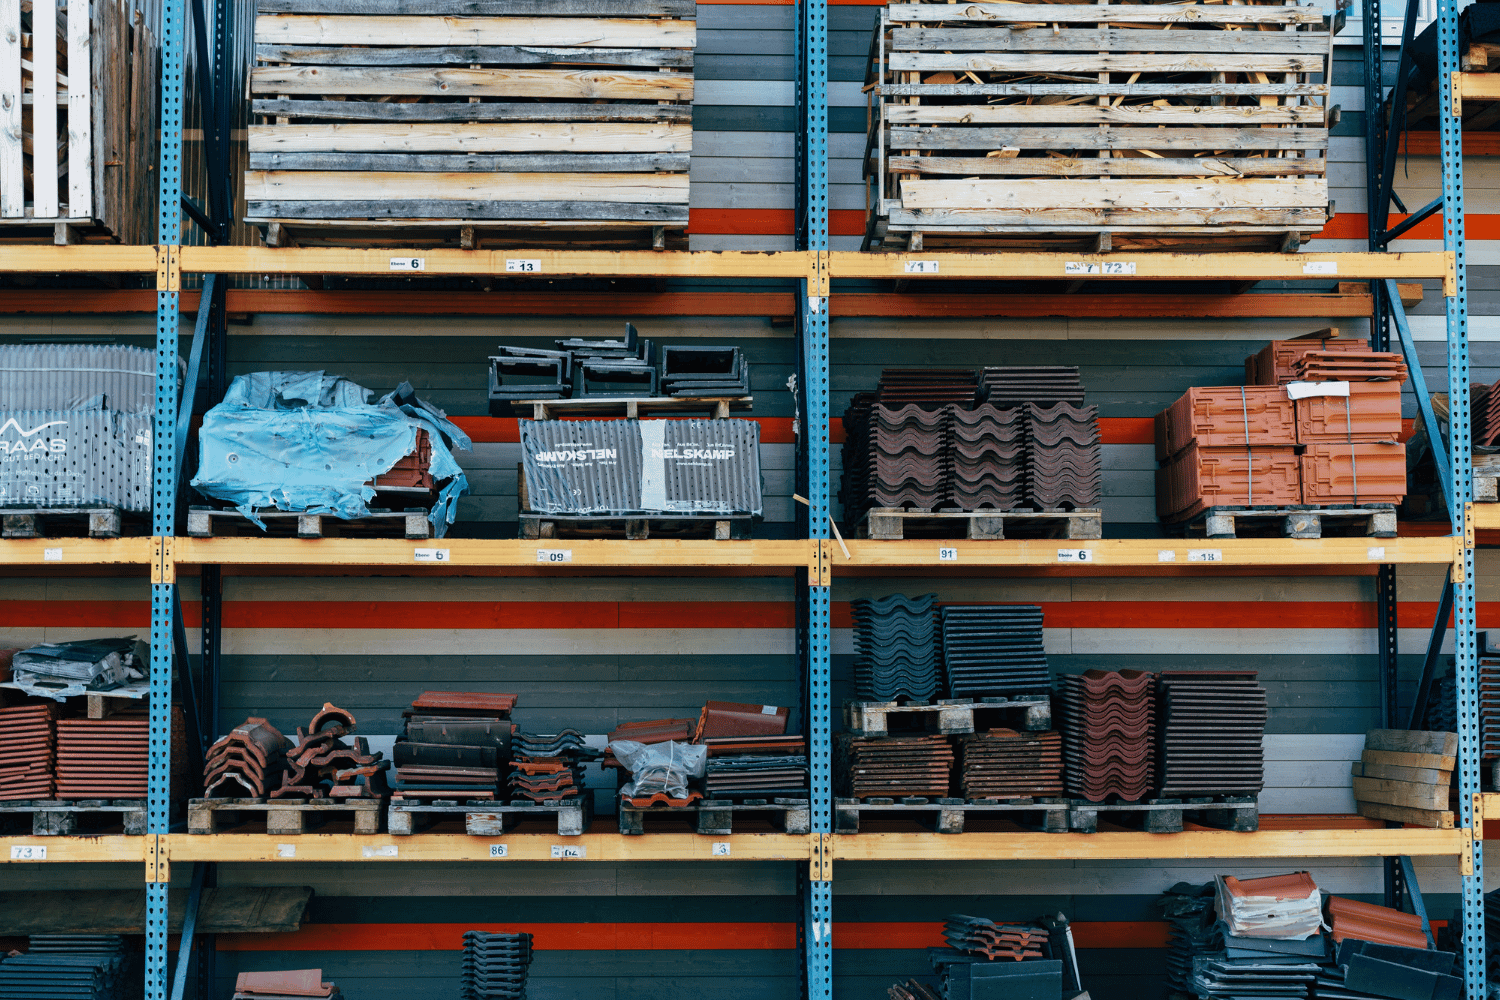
x=1406, y=776
x=518, y=122
x=77, y=122
x=1098, y=125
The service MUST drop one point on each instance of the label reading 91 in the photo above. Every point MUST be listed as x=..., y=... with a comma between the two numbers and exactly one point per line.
x=947, y=555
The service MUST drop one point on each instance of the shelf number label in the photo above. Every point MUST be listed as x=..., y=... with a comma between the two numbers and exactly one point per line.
x=499, y=850
x=947, y=555
x=1099, y=267
x=28, y=852
x=286, y=850
x=1321, y=267
x=408, y=263
x=514, y=265
x=721, y=848
x=1376, y=553
x=52, y=555
x=384, y=851
x=1205, y=555
x=569, y=851
x=921, y=267
x=1166, y=555
x=1075, y=555
x=554, y=555
x=431, y=555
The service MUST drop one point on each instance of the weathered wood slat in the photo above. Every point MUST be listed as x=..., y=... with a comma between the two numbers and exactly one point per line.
x=464, y=55
x=334, y=185
x=1113, y=62
x=364, y=29
x=1105, y=39
x=1107, y=137
x=1112, y=13
x=1412, y=741
x=44, y=172
x=12, y=184
x=499, y=138
x=475, y=163
x=1053, y=220
x=459, y=211
x=1084, y=114
x=1207, y=166
x=567, y=84
x=1153, y=90
x=1115, y=193
x=81, y=160
x=375, y=111
x=486, y=8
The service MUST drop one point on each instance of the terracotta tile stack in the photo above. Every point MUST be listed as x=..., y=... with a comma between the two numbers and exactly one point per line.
x=1212, y=724
x=1351, y=919
x=980, y=936
x=1064, y=461
x=28, y=751
x=549, y=768
x=1276, y=362
x=1227, y=445
x=108, y=758
x=1349, y=366
x=323, y=766
x=1352, y=443
x=246, y=762
x=285, y=985
x=895, y=766
x=1005, y=764
x=454, y=746
x=896, y=648
x=988, y=457
x=1108, y=723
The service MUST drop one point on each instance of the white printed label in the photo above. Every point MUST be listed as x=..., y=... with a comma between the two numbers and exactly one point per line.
x=814, y=304
x=1205, y=555
x=286, y=850
x=721, y=848
x=28, y=852
x=921, y=267
x=499, y=850
x=768, y=710
x=1099, y=267
x=386, y=851
x=1166, y=555
x=430, y=555
x=947, y=555
x=569, y=851
x=408, y=263
x=554, y=555
x=52, y=555
x=1075, y=555
x=1376, y=553
x=1321, y=267
x=515, y=265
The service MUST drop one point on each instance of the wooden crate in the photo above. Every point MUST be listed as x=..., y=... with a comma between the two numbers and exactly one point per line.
x=1098, y=126
x=461, y=122
x=78, y=98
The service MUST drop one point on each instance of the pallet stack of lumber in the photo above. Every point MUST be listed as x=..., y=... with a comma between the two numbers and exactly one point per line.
x=1405, y=776
x=1093, y=126
x=515, y=122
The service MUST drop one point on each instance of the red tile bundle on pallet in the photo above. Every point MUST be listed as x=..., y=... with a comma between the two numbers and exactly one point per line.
x=103, y=758
x=1352, y=919
x=1353, y=473
x=720, y=719
x=1200, y=478
x=1275, y=364
x=1108, y=722
x=1370, y=413
x=1227, y=416
x=247, y=762
x=1345, y=366
x=1004, y=764
x=28, y=751
x=895, y=766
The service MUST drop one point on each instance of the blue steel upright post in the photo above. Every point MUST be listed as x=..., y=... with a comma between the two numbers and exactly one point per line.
x=1460, y=444
x=164, y=483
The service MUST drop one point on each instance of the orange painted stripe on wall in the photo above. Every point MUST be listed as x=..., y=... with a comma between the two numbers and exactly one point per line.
x=768, y=221
x=778, y=430
x=1477, y=226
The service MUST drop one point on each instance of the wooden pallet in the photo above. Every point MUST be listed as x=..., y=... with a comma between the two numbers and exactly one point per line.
x=465, y=234
x=947, y=815
x=713, y=407
x=953, y=715
x=284, y=816
x=1300, y=521
x=75, y=817
x=716, y=816
x=1089, y=128
x=894, y=523
x=1236, y=813
x=490, y=819
x=71, y=522
x=204, y=522
x=719, y=527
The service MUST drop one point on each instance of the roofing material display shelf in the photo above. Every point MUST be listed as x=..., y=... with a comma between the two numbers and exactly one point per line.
x=461, y=847
x=80, y=258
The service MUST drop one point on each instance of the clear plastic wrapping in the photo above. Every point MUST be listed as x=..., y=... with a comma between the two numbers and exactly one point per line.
x=660, y=767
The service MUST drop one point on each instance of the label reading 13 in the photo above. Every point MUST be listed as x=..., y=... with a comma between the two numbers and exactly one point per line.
x=513, y=265
x=1205, y=555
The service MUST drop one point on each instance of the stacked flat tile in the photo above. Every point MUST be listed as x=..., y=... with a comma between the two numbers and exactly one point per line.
x=909, y=456
x=1349, y=366
x=1108, y=733
x=980, y=936
x=549, y=768
x=1360, y=969
x=987, y=447
x=288, y=984
x=930, y=387
x=28, y=751
x=1004, y=764
x=1484, y=414
x=72, y=967
x=895, y=766
x=495, y=966
x=1276, y=362
x=454, y=746
x=1043, y=384
x=1065, y=465
x=103, y=758
x=1192, y=930
x=993, y=651
x=1489, y=705
x=854, y=484
x=741, y=767
x=896, y=648
x=1491, y=933
x=1211, y=725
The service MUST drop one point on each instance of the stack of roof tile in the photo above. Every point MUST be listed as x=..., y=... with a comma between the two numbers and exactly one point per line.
x=613, y=368
x=1276, y=362
x=1489, y=703
x=909, y=456
x=1368, y=969
x=979, y=936
x=1350, y=366
x=285, y=985
x=930, y=387
x=1192, y=930
x=1227, y=416
x=896, y=648
x=993, y=651
x=549, y=768
x=1211, y=724
x=521, y=373
x=1284, y=907
x=1352, y=919
x=323, y=766
x=454, y=745
x=1005, y=764
x=756, y=767
x=988, y=457
x=28, y=751
x=495, y=966
x=1484, y=413
x=1108, y=726
x=700, y=370
x=1065, y=464
x=911, y=990
x=103, y=758
x=896, y=766
x=1199, y=478
x=1043, y=384
x=246, y=762
x=655, y=731
x=719, y=719
x=857, y=457
x=71, y=967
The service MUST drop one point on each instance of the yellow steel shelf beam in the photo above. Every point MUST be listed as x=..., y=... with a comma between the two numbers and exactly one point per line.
x=47, y=850
x=1153, y=552
x=85, y=258
x=75, y=551
x=1484, y=516
x=460, y=847
x=534, y=263
x=1478, y=87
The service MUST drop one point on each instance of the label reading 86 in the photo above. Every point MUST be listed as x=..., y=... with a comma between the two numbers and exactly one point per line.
x=499, y=850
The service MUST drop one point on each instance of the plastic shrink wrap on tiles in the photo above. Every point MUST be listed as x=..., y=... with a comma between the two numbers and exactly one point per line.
x=312, y=442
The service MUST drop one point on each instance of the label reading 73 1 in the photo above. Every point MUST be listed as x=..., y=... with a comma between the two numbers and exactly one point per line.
x=28, y=852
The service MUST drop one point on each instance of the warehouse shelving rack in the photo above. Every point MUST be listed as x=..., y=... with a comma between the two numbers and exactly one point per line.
x=817, y=558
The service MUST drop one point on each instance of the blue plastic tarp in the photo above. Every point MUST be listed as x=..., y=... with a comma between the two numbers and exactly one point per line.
x=312, y=442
